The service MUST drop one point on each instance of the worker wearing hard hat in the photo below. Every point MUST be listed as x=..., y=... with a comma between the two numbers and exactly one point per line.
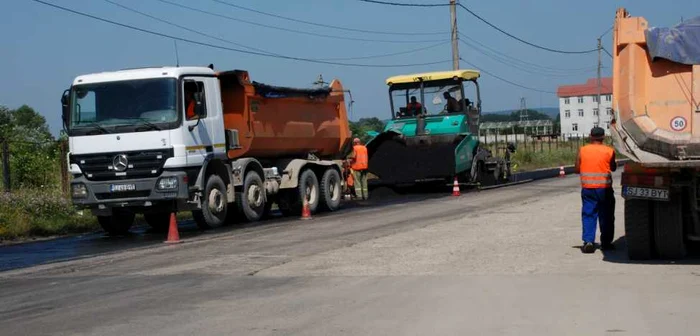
x=595, y=163
x=359, y=163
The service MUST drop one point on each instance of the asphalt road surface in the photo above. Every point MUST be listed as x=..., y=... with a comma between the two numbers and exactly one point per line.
x=498, y=262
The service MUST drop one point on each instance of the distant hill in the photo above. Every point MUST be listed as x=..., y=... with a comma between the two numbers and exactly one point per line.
x=552, y=112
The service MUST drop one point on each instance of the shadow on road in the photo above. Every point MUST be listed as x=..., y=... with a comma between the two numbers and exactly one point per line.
x=61, y=249
x=619, y=256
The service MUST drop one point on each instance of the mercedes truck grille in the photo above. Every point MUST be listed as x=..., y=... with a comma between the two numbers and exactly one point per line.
x=122, y=165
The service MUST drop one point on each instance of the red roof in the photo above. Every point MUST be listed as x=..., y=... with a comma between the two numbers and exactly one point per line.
x=588, y=89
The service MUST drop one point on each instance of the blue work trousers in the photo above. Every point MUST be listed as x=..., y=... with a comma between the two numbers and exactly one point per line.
x=598, y=206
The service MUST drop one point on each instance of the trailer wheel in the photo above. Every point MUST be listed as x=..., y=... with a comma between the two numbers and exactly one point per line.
x=214, y=205
x=638, y=229
x=668, y=229
x=331, y=190
x=308, y=188
x=118, y=223
x=251, y=201
x=159, y=221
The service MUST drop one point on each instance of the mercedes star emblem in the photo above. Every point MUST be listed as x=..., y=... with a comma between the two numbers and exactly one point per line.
x=120, y=162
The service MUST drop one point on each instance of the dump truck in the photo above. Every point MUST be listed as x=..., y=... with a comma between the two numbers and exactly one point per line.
x=169, y=139
x=433, y=134
x=656, y=103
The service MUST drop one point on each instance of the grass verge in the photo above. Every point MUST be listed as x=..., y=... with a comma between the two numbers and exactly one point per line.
x=40, y=213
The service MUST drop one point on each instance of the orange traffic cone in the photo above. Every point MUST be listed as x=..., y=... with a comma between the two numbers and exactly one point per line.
x=561, y=172
x=305, y=210
x=173, y=234
x=455, y=188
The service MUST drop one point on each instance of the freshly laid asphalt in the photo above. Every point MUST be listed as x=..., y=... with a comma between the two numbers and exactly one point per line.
x=496, y=262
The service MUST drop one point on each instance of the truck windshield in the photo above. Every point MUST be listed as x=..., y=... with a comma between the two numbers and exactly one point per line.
x=123, y=106
x=444, y=99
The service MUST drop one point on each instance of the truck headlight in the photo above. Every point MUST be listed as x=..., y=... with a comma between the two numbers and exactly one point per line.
x=167, y=183
x=79, y=190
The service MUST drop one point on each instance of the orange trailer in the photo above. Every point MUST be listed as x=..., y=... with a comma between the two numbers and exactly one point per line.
x=276, y=122
x=656, y=99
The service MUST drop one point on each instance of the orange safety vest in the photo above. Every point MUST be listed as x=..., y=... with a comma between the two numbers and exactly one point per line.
x=190, y=110
x=360, y=161
x=350, y=180
x=595, y=166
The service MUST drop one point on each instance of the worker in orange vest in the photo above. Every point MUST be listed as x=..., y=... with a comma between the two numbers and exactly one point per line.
x=595, y=163
x=358, y=163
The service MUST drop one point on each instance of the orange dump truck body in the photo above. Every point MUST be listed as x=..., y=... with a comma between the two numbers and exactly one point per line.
x=656, y=100
x=276, y=122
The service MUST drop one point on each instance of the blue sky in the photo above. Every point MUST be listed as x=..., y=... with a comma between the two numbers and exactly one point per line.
x=44, y=49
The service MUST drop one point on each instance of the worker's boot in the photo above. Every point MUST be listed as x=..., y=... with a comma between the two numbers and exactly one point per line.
x=588, y=248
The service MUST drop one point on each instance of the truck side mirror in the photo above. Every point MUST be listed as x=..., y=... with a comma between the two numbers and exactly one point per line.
x=65, y=111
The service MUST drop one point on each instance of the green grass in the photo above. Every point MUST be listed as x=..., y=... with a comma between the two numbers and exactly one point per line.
x=527, y=159
x=40, y=213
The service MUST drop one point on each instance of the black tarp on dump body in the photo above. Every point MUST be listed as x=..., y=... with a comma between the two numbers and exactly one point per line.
x=680, y=44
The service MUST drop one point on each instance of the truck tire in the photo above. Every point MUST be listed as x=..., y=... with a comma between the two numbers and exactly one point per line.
x=668, y=229
x=638, y=229
x=251, y=201
x=159, y=221
x=308, y=186
x=331, y=190
x=118, y=223
x=290, y=200
x=214, y=204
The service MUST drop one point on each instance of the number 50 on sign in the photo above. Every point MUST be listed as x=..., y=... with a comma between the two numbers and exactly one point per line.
x=678, y=123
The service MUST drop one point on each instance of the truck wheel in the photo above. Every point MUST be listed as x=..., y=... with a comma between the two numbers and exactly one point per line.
x=638, y=229
x=214, y=204
x=251, y=201
x=308, y=187
x=668, y=229
x=118, y=223
x=159, y=221
x=331, y=190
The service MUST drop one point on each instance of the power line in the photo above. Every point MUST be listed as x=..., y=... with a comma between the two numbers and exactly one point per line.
x=498, y=77
x=326, y=25
x=520, y=67
x=533, y=65
x=404, y=4
x=289, y=30
x=607, y=52
x=227, y=48
x=262, y=50
x=514, y=83
x=521, y=40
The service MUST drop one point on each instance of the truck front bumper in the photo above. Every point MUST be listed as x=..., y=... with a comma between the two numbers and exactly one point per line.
x=102, y=196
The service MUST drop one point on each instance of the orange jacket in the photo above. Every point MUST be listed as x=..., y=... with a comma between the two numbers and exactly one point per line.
x=190, y=110
x=360, y=161
x=595, y=162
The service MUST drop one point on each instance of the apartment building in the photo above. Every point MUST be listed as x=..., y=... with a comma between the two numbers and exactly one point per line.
x=578, y=107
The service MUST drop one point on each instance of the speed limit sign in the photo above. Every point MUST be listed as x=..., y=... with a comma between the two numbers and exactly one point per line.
x=678, y=123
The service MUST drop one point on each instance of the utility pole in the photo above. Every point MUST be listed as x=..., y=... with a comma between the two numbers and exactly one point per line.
x=455, y=36
x=600, y=48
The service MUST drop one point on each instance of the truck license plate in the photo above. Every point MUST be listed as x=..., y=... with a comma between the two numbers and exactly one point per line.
x=122, y=187
x=649, y=193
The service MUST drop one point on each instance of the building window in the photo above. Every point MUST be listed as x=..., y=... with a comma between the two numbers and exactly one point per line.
x=580, y=100
x=566, y=101
x=608, y=97
x=580, y=113
x=574, y=127
x=595, y=99
x=567, y=114
x=608, y=111
x=607, y=125
x=595, y=111
x=595, y=124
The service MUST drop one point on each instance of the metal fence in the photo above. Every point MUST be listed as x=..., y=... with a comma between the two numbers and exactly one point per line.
x=537, y=142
